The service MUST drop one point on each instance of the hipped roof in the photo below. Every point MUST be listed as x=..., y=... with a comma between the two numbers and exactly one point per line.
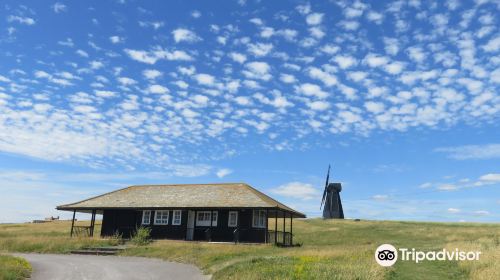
x=192, y=196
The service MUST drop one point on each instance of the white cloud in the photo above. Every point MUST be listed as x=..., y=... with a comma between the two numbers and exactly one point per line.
x=257, y=70
x=481, y=213
x=345, y=61
x=374, y=60
x=487, y=151
x=391, y=46
x=22, y=20
x=185, y=35
x=394, y=68
x=221, y=173
x=327, y=78
x=380, y=197
x=447, y=187
x=59, y=7
x=260, y=49
x=375, y=17
x=490, y=178
x=153, y=56
x=374, y=107
x=205, y=79
x=125, y=81
x=116, y=39
x=318, y=105
x=105, y=93
x=82, y=53
x=417, y=54
x=287, y=78
x=196, y=14
x=242, y=100
x=311, y=90
x=314, y=18
x=493, y=45
x=151, y=74
x=453, y=210
x=157, y=89
x=238, y=57
x=297, y=190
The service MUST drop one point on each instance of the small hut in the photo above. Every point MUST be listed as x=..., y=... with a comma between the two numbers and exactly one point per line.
x=229, y=212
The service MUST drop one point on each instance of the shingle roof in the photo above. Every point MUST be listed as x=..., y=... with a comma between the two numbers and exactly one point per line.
x=225, y=195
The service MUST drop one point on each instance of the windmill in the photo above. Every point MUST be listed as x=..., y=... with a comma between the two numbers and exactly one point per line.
x=331, y=199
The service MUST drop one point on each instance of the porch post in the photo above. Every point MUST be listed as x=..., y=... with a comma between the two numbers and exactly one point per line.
x=267, y=230
x=291, y=229
x=72, y=223
x=92, y=223
x=284, y=216
x=276, y=226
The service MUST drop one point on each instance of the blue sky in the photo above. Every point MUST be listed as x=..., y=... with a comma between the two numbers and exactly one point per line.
x=400, y=97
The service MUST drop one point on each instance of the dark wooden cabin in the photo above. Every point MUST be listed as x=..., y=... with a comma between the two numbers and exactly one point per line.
x=229, y=212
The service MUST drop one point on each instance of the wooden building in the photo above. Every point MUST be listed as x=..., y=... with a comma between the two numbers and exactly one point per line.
x=229, y=212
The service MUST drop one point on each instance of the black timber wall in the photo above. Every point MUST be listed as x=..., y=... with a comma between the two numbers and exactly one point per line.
x=126, y=221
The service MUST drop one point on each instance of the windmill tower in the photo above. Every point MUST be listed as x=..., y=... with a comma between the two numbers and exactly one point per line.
x=331, y=200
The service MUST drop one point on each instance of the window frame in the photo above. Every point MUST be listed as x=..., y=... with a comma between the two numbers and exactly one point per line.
x=259, y=217
x=149, y=217
x=174, y=218
x=156, y=217
x=229, y=224
x=207, y=222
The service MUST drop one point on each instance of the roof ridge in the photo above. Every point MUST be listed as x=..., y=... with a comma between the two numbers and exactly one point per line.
x=198, y=184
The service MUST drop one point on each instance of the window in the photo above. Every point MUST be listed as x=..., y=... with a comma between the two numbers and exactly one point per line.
x=203, y=218
x=146, y=217
x=259, y=218
x=177, y=217
x=161, y=217
x=232, y=220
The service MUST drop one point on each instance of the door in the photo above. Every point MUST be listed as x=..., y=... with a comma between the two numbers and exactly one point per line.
x=190, y=225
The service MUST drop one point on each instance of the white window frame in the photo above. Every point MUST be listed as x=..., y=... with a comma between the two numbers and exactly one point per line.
x=259, y=219
x=206, y=222
x=235, y=224
x=162, y=221
x=176, y=220
x=144, y=214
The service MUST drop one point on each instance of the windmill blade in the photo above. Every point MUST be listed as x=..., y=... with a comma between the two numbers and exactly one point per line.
x=326, y=186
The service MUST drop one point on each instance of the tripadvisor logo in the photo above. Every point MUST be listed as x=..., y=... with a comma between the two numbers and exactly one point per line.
x=387, y=255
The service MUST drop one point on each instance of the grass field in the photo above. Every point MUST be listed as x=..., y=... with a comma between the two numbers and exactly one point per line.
x=331, y=249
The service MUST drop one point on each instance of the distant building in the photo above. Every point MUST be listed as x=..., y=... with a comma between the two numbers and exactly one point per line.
x=233, y=212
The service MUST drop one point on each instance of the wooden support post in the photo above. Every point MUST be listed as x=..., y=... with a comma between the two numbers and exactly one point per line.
x=276, y=226
x=72, y=223
x=266, y=232
x=92, y=223
x=291, y=229
x=284, y=216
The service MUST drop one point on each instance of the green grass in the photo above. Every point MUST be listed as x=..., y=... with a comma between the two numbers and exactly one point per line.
x=332, y=249
x=14, y=268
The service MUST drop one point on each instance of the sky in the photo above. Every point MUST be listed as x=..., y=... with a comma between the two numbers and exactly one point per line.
x=401, y=98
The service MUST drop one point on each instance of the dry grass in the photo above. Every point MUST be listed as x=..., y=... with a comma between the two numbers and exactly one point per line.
x=331, y=250
x=50, y=237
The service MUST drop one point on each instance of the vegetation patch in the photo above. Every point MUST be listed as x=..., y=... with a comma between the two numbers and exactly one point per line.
x=14, y=268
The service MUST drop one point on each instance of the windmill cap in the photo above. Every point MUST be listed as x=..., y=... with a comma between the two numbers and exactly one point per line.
x=335, y=186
